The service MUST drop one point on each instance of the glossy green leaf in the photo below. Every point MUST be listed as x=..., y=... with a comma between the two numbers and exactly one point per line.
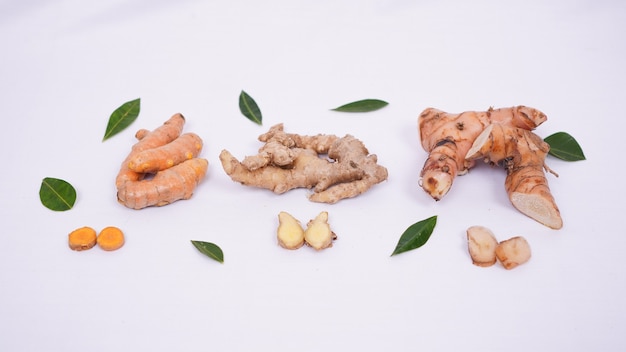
x=249, y=108
x=565, y=147
x=209, y=249
x=364, y=105
x=56, y=194
x=416, y=235
x=122, y=117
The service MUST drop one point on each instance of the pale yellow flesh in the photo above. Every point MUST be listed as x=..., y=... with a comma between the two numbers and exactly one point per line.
x=290, y=233
x=318, y=233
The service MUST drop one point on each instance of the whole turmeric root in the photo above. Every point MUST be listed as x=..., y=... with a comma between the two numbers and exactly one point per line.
x=289, y=161
x=522, y=153
x=448, y=137
x=162, y=167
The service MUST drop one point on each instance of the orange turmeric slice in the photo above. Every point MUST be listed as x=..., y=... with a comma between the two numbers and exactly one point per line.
x=110, y=238
x=82, y=238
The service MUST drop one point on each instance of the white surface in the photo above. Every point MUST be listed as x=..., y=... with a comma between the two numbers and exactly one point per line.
x=66, y=65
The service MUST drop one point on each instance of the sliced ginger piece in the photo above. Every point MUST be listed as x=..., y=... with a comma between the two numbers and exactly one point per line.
x=111, y=238
x=290, y=232
x=513, y=252
x=318, y=233
x=482, y=243
x=82, y=238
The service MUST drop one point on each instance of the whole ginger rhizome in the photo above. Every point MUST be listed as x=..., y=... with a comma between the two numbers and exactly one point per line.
x=287, y=161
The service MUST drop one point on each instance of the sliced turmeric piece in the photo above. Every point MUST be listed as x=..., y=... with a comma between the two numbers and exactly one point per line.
x=82, y=239
x=111, y=238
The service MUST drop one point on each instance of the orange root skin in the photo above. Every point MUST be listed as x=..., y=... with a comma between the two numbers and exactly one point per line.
x=162, y=167
x=167, y=186
x=185, y=147
x=523, y=154
x=166, y=133
x=447, y=137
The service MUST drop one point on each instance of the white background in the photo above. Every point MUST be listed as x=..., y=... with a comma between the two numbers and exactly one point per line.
x=66, y=65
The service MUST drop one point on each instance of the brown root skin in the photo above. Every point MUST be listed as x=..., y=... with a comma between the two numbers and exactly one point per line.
x=447, y=137
x=523, y=154
x=162, y=167
x=289, y=161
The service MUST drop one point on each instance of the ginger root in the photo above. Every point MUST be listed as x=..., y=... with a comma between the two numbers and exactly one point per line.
x=162, y=167
x=289, y=161
x=290, y=233
x=447, y=137
x=522, y=153
x=317, y=235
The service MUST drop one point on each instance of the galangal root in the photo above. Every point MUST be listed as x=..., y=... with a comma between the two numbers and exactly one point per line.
x=499, y=136
x=484, y=249
x=162, y=166
x=317, y=235
x=289, y=161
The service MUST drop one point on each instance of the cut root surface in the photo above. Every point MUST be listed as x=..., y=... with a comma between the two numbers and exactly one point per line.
x=82, y=239
x=538, y=208
x=111, y=238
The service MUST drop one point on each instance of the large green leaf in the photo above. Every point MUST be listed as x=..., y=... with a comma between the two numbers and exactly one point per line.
x=565, y=147
x=57, y=194
x=209, y=249
x=364, y=105
x=249, y=108
x=122, y=117
x=415, y=235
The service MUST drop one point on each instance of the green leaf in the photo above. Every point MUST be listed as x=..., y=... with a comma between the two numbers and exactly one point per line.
x=209, y=249
x=122, y=117
x=364, y=105
x=415, y=235
x=565, y=147
x=56, y=194
x=249, y=108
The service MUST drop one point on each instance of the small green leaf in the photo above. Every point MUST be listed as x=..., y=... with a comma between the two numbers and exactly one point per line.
x=415, y=235
x=122, y=117
x=565, y=147
x=56, y=194
x=364, y=105
x=209, y=249
x=249, y=108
